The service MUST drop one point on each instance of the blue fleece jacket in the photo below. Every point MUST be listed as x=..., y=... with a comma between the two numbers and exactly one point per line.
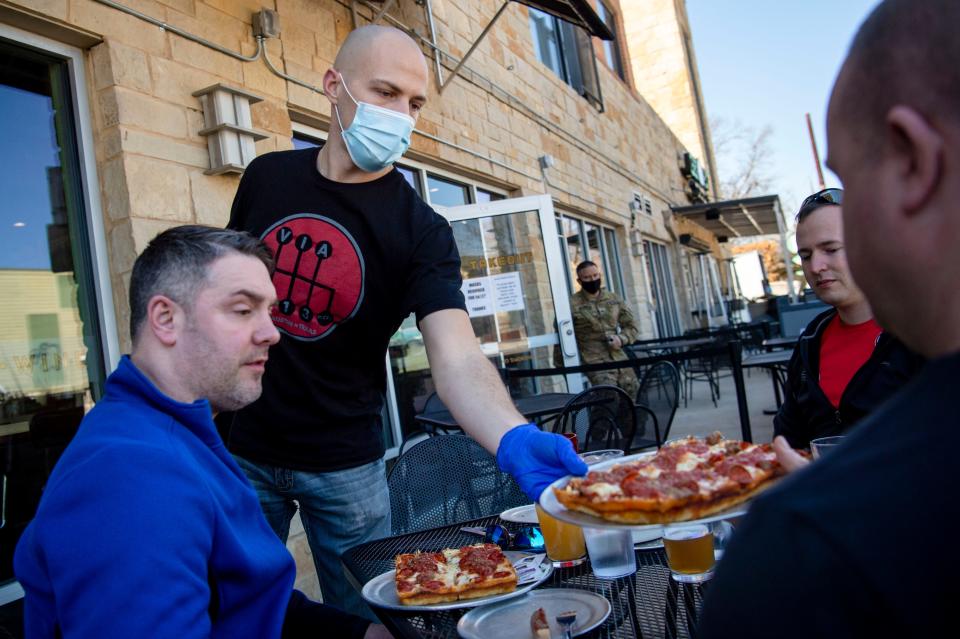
x=148, y=528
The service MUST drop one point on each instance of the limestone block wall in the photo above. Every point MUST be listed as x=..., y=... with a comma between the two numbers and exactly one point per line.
x=664, y=66
x=507, y=110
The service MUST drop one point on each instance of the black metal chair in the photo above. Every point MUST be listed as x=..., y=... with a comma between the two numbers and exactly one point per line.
x=446, y=479
x=702, y=369
x=602, y=417
x=657, y=401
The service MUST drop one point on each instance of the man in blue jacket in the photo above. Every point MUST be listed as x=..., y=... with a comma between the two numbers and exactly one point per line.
x=147, y=526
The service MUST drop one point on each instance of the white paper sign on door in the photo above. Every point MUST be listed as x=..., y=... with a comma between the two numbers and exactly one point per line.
x=476, y=292
x=488, y=295
x=507, y=292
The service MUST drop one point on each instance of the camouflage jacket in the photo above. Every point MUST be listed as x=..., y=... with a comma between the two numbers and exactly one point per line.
x=594, y=320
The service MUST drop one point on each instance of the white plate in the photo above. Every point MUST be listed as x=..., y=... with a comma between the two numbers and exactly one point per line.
x=381, y=590
x=549, y=503
x=512, y=618
x=521, y=514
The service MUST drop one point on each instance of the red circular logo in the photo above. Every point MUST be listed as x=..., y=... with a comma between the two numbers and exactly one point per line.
x=318, y=275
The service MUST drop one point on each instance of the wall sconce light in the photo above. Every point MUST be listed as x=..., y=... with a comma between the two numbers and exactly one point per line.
x=228, y=127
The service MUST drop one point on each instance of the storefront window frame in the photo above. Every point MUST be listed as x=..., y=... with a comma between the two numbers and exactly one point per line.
x=92, y=241
x=608, y=258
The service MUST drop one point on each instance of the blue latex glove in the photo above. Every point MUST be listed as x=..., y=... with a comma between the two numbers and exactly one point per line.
x=536, y=459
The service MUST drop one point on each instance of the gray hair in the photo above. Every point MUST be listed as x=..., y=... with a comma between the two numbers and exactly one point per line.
x=175, y=263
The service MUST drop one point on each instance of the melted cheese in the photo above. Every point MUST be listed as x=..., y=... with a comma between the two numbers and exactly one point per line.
x=603, y=490
x=708, y=486
x=689, y=461
x=650, y=472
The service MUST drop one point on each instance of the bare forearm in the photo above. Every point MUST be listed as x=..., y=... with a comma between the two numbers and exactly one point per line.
x=471, y=388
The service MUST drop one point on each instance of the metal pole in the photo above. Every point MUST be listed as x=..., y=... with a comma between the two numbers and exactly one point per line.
x=476, y=43
x=437, y=60
x=736, y=365
x=816, y=154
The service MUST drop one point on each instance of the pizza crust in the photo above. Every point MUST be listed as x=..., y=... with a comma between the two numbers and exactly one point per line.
x=620, y=514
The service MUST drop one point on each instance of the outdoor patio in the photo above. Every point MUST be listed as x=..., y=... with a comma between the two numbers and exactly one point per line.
x=700, y=417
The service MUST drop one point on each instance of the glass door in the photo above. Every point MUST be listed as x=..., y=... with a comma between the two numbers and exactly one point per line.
x=52, y=351
x=517, y=299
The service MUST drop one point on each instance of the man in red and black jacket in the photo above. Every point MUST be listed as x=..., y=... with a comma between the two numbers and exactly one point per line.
x=844, y=364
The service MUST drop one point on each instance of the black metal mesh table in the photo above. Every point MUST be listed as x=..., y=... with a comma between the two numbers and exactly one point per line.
x=648, y=604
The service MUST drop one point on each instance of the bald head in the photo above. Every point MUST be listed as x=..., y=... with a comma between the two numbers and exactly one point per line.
x=905, y=53
x=893, y=132
x=372, y=44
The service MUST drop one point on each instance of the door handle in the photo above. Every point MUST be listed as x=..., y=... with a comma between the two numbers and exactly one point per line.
x=566, y=337
x=3, y=502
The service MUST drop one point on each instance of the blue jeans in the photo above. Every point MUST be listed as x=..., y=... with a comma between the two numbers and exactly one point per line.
x=339, y=510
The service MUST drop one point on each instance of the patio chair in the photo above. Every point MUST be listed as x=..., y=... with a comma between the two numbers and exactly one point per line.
x=447, y=479
x=434, y=403
x=657, y=399
x=601, y=416
x=701, y=369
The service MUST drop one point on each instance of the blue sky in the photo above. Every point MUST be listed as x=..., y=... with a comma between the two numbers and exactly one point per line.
x=26, y=128
x=767, y=63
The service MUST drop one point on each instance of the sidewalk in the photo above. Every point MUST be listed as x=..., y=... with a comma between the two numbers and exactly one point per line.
x=701, y=418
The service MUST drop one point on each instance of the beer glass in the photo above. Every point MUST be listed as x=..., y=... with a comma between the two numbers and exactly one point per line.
x=692, y=549
x=563, y=541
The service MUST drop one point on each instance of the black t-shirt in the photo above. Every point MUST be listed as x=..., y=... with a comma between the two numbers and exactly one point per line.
x=860, y=544
x=353, y=260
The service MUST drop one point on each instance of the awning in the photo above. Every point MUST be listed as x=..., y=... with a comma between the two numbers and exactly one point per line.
x=577, y=12
x=745, y=217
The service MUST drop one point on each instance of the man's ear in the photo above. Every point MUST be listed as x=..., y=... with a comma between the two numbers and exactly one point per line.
x=164, y=319
x=918, y=150
x=331, y=81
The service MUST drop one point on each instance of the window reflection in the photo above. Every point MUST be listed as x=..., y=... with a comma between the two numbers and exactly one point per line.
x=447, y=192
x=51, y=368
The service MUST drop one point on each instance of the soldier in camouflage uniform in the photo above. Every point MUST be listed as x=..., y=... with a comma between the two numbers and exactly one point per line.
x=603, y=325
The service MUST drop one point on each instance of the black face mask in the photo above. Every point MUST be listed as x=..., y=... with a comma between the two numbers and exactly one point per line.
x=591, y=287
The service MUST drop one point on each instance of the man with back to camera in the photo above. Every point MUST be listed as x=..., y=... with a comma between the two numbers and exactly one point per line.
x=859, y=544
x=147, y=527
x=604, y=325
x=844, y=364
x=357, y=251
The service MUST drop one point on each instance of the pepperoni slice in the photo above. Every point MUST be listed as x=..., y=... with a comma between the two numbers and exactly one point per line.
x=739, y=474
x=501, y=573
x=432, y=585
x=404, y=586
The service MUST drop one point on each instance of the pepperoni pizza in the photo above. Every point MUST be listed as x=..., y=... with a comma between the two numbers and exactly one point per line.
x=686, y=479
x=453, y=574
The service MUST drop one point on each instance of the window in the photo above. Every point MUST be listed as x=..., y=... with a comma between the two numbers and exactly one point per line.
x=581, y=240
x=641, y=204
x=445, y=192
x=660, y=277
x=55, y=330
x=611, y=49
x=568, y=51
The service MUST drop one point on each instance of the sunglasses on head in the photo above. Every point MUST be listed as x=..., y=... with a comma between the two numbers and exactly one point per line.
x=820, y=198
x=526, y=538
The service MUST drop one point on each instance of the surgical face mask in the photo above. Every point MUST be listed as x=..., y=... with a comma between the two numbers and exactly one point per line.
x=591, y=287
x=377, y=137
